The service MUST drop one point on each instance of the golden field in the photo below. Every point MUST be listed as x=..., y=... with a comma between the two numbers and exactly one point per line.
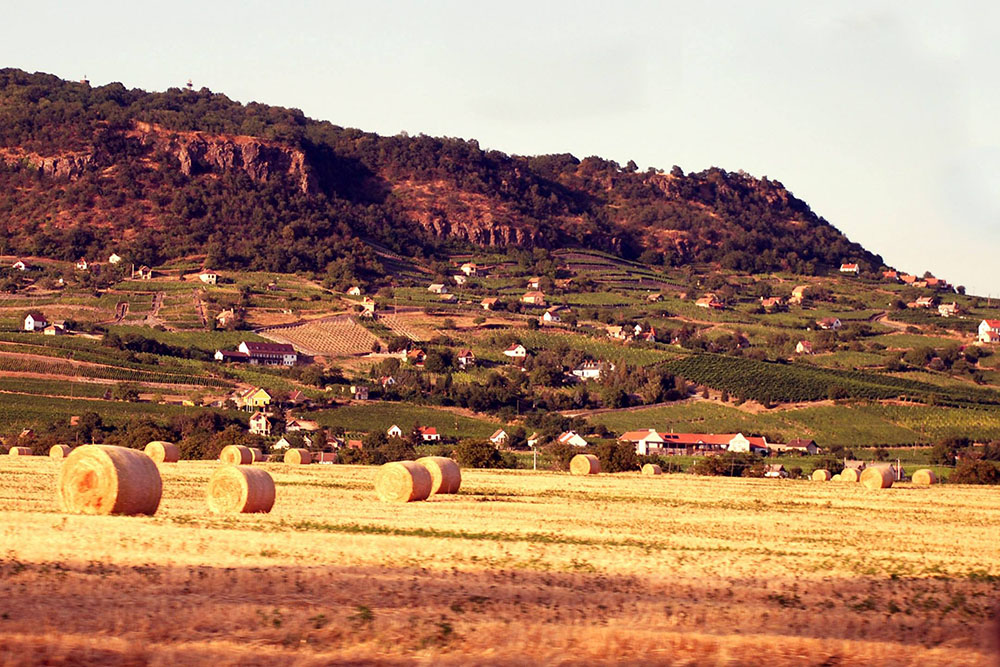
x=520, y=567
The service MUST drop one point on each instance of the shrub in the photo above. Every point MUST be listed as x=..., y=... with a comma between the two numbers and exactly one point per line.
x=561, y=454
x=975, y=472
x=478, y=454
x=617, y=456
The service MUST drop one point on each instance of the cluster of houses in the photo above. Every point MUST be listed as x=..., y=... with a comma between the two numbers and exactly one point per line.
x=36, y=321
x=651, y=441
x=264, y=354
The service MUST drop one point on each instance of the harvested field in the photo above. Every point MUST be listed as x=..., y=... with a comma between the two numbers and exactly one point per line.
x=517, y=568
x=338, y=337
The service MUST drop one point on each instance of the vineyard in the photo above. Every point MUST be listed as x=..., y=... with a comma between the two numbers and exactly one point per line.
x=600, y=349
x=12, y=364
x=340, y=337
x=408, y=325
x=780, y=382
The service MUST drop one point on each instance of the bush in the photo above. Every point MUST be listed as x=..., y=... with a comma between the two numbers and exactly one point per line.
x=729, y=464
x=617, y=457
x=561, y=454
x=975, y=472
x=478, y=454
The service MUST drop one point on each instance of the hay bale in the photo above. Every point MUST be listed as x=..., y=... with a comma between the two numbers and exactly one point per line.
x=836, y=478
x=59, y=451
x=878, y=477
x=652, y=469
x=821, y=475
x=850, y=475
x=236, y=489
x=925, y=477
x=402, y=482
x=20, y=451
x=298, y=456
x=446, y=476
x=162, y=451
x=236, y=454
x=256, y=455
x=584, y=464
x=103, y=479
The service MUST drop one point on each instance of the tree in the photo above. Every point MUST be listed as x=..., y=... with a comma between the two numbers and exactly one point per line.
x=971, y=471
x=478, y=454
x=617, y=456
x=126, y=391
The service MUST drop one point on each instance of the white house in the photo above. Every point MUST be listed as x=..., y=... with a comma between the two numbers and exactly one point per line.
x=989, y=331
x=35, y=321
x=282, y=444
x=499, y=437
x=644, y=441
x=437, y=288
x=394, y=432
x=428, y=433
x=114, y=258
x=775, y=471
x=81, y=264
x=55, y=329
x=849, y=268
x=470, y=269
x=466, y=359
x=260, y=424
x=295, y=425
x=354, y=291
x=460, y=279
x=572, y=438
x=553, y=315
x=19, y=266
x=830, y=323
x=803, y=347
x=360, y=392
x=208, y=277
x=751, y=445
x=516, y=351
x=269, y=354
x=592, y=370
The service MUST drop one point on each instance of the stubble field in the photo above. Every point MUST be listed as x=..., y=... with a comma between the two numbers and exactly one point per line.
x=519, y=567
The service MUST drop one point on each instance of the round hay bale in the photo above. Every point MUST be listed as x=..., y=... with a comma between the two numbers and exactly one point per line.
x=103, y=479
x=402, y=482
x=240, y=490
x=652, y=469
x=236, y=454
x=59, y=451
x=446, y=476
x=925, y=477
x=836, y=478
x=584, y=464
x=256, y=455
x=821, y=475
x=298, y=456
x=162, y=451
x=850, y=475
x=878, y=477
x=19, y=451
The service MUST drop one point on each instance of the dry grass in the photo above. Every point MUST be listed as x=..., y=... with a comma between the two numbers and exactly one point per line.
x=516, y=568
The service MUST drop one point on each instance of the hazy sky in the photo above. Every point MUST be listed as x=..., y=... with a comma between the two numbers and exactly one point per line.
x=883, y=116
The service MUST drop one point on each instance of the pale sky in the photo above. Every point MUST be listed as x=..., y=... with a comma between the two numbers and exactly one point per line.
x=883, y=116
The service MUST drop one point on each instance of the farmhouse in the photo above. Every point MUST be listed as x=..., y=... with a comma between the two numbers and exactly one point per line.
x=572, y=438
x=908, y=279
x=891, y=275
x=654, y=298
x=417, y=357
x=260, y=424
x=516, y=351
x=772, y=303
x=144, y=273
x=921, y=302
x=618, y=332
x=437, y=288
x=829, y=323
x=448, y=298
x=19, y=265
x=534, y=298
x=359, y=392
x=710, y=301
x=226, y=317
x=849, y=268
x=489, y=303
x=55, y=329
x=949, y=309
x=428, y=433
x=295, y=425
x=534, y=283
x=354, y=291
x=35, y=321
x=470, y=269
x=460, y=279
x=748, y=444
x=234, y=356
x=394, y=432
x=81, y=264
x=989, y=331
x=114, y=258
x=208, y=277
x=592, y=370
x=644, y=441
x=252, y=399
x=499, y=437
x=799, y=445
x=269, y=354
x=466, y=359
x=804, y=347
x=553, y=315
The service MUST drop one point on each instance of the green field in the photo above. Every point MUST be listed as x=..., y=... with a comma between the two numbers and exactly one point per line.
x=379, y=416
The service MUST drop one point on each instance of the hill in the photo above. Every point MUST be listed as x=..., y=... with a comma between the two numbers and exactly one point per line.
x=87, y=170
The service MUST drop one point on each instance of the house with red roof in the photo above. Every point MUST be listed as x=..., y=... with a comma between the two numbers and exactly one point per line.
x=989, y=331
x=849, y=268
x=428, y=433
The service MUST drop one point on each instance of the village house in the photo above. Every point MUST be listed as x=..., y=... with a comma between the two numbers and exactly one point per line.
x=394, y=432
x=829, y=323
x=232, y=356
x=255, y=398
x=533, y=439
x=460, y=279
x=354, y=291
x=592, y=370
x=533, y=298
x=891, y=275
x=56, y=329
x=35, y=321
x=386, y=381
x=921, y=302
x=516, y=351
x=799, y=445
x=470, y=269
x=296, y=397
x=81, y=264
x=368, y=307
x=710, y=301
x=295, y=425
x=772, y=303
x=804, y=347
x=908, y=279
x=499, y=437
x=260, y=424
x=849, y=268
x=748, y=444
x=645, y=441
x=448, y=298
x=19, y=265
x=949, y=309
x=114, y=258
x=534, y=283
x=209, y=277
x=428, y=433
x=270, y=354
x=225, y=318
x=417, y=357
x=437, y=288
x=798, y=293
x=649, y=335
x=618, y=332
x=553, y=315
x=359, y=392
x=489, y=303
x=466, y=359
x=572, y=438
x=144, y=273
x=654, y=298
x=989, y=331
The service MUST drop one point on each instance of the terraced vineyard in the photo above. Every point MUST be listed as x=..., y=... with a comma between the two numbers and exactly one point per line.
x=19, y=365
x=340, y=337
x=406, y=325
